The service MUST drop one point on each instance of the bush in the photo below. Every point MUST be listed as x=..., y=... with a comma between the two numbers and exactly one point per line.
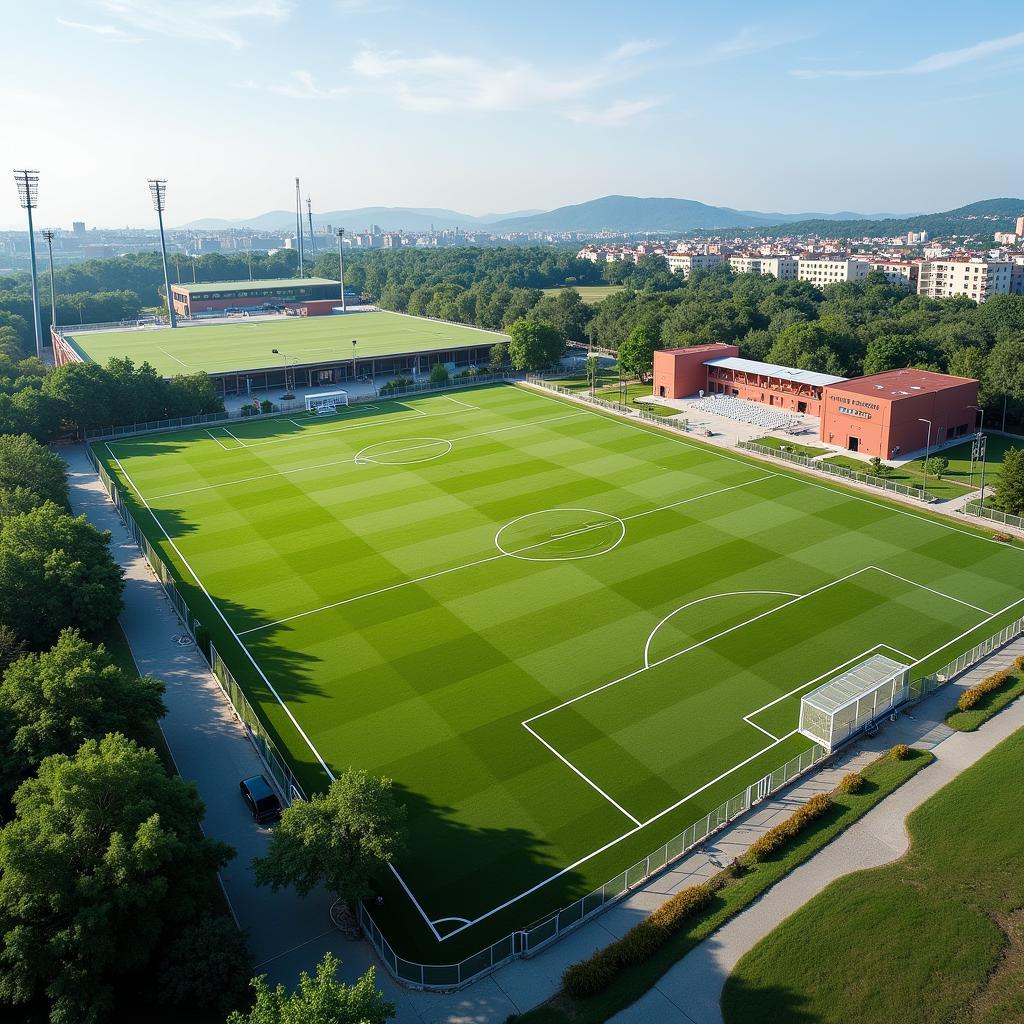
x=970, y=699
x=438, y=373
x=1003, y=538
x=266, y=405
x=900, y=752
x=397, y=384
x=593, y=975
x=775, y=838
x=852, y=783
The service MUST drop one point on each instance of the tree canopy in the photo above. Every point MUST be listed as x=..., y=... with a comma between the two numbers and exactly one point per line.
x=534, y=345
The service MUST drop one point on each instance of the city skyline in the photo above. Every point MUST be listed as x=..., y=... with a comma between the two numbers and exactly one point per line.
x=386, y=104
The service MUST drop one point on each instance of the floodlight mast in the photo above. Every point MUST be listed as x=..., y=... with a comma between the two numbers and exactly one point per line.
x=48, y=235
x=312, y=240
x=298, y=225
x=341, y=267
x=28, y=195
x=158, y=190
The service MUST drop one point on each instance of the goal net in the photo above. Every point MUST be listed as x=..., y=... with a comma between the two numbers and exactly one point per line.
x=325, y=403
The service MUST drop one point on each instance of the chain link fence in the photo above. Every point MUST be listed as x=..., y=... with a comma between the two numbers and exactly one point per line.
x=830, y=469
x=974, y=508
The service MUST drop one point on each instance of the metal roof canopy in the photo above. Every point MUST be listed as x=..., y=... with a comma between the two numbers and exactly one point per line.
x=773, y=370
x=855, y=683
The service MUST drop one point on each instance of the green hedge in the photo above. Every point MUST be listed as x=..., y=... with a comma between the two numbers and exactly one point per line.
x=970, y=699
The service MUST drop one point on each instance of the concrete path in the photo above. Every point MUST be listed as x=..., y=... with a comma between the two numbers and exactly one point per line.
x=690, y=992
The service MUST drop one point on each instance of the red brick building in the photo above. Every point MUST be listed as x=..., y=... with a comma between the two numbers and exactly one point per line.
x=882, y=414
x=217, y=296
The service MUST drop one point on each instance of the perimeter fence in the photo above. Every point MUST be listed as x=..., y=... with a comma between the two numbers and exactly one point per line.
x=842, y=472
x=679, y=423
x=975, y=508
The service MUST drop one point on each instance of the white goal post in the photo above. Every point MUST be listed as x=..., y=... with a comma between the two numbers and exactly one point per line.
x=324, y=403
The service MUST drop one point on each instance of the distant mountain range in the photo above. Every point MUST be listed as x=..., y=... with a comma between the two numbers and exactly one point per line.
x=632, y=214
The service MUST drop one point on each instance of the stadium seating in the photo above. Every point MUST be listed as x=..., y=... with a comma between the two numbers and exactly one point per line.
x=748, y=412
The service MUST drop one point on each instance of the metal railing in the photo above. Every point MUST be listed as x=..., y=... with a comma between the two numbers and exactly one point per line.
x=529, y=941
x=830, y=469
x=261, y=739
x=974, y=508
x=678, y=423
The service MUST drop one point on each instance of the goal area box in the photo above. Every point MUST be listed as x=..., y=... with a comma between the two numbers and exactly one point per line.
x=325, y=402
x=833, y=712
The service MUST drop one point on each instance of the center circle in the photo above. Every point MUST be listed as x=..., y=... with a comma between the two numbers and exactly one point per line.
x=403, y=452
x=560, y=535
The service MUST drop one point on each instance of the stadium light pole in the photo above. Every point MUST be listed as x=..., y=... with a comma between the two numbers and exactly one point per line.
x=298, y=225
x=979, y=442
x=28, y=194
x=312, y=239
x=927, y=448
x=354, y=360
x=158, y=190
x=288, y=389
x=341, y=268
x=48, y=235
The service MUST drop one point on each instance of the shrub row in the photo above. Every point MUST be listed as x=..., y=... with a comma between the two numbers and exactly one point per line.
x=777, y=837
x=900, y=752
x=971, y=698
x=595, y=974
x=852, y=783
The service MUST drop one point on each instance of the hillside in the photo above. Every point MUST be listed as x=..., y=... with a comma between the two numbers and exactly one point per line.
x=389, y=218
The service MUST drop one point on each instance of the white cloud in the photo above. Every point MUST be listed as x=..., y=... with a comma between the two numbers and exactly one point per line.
x=438, y=82
x=927, y=65
x=220, y=21
x=111, y=32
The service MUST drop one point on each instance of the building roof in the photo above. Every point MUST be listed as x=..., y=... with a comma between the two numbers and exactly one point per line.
x=896, y=384
x=772, y=370
x=711, y=346
x=856, y=682
x=252, y=286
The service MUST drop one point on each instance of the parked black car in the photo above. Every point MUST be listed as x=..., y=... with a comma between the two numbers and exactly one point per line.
x=261, y=798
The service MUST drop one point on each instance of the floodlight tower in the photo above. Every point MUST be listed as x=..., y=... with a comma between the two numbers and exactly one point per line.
x=48, y=235
x=312, y=238
x=341, y=267
x=28, y=194
x=298, y=224
x=158, y=189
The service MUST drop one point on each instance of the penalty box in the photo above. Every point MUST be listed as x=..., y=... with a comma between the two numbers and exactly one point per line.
x=652, y=738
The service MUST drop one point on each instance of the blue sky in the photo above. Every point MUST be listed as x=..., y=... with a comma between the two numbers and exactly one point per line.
x=876, y=106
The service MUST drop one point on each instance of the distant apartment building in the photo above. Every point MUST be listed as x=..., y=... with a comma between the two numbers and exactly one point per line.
x=917, y=237
x=1020, y=225
x=977, y=278
x=685, y=262
x=78, y=227
x=781, y=267
x=1017, y=276
x=896, y=271
x=1006, y=238
x=831, y=271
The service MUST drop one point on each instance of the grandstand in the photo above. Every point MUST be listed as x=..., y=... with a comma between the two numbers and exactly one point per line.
x=748, y=412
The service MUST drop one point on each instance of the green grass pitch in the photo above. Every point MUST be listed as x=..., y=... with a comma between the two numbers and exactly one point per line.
x=246, y=344
x=566, y=637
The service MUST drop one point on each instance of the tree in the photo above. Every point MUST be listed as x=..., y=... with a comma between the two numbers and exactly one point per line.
x=1009, y=496
x=890, y=352
x=636, y=353
x=206, y=965
x=56, y=570
x=534, y=345
x=25, y=463
x=936, y=466
x=438, y=373
x=498, y=358
x=341, y=838
x=877, y=467
x=101, y=867
x=319, y=1000
x=50, y=703
x=1004, y=376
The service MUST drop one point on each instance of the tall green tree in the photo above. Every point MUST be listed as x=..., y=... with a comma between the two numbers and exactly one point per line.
x=56, y=571
x=318, y=1000
x=27, y=464
x=103, y=864
x=1005, y=376
x=50, y=703
x=341, y=838
x=636, y=353
x=534, y=345
x=1009, y=496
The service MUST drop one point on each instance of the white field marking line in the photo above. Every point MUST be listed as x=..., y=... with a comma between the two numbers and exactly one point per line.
x=223, y=617
x=465, y=405
x=362, y=459
x=238, y=439
x=938, y=593
x=169, y=355
x=590, y=782
x=297, y=423
x=480, y=561
x=770, y=735
x=701, y=600
x=216, y=438
x=445, y=920
x=633, y=831
x=326, y=465
x=416, y=904
x=797, y=477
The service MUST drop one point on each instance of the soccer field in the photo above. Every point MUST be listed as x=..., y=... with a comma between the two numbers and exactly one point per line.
x=246, y=344
x=565, y=636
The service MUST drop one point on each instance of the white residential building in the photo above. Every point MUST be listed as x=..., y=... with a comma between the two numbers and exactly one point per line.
x=1019, y=228
x=782, y=267
x=684, y=262
x=1006, y=238
x=825, y=272
x=896, y=271
x=1017, y=276
x=977, y=278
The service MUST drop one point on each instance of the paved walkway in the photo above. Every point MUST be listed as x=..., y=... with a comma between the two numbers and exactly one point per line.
x=689, y=993
x=287, y=934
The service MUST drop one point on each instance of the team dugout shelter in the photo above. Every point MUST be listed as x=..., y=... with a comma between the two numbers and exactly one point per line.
x=885, y=414
x=210, y=298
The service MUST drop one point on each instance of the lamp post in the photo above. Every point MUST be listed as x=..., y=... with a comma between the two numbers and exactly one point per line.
x=927, y=449
x=298, y=226
x=48, y=235
x=28, y=194
x=341, y=268
x=288, y=386
x=354, y=343
x=979, y=447
x=158, y=190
